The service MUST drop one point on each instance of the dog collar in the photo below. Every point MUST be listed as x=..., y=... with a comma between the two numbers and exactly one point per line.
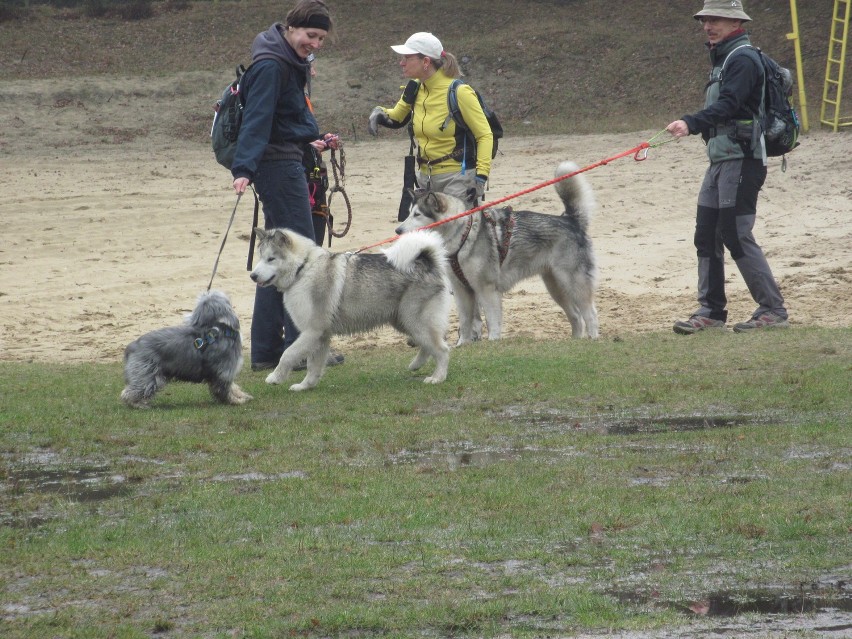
x=212, y=335
x=301, y=266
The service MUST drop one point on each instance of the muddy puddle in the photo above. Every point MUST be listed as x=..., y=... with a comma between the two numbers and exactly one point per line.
x=837, y=599
x=463, y=455
x=553, y=420
x=84, y=484
x=459, y=459
x=822, y=611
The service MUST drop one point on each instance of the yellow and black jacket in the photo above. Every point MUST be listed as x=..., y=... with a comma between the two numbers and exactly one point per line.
x=435, y=130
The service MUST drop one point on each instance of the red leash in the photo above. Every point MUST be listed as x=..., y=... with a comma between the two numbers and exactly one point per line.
x=635, y=152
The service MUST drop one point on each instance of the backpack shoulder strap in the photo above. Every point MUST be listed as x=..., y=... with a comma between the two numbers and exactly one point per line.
x=453, y=110
x=284, y=66
x=757, y=55
x=245, y=77
x=409, y=94
x=749, y=48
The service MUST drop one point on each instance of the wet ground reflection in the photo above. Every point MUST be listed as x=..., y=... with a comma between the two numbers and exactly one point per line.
x=555, y=420
x=837, y=598
x=472, y=458
x=85, y=484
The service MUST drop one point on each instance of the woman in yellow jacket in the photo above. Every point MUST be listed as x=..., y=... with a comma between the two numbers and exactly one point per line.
x=448, y=160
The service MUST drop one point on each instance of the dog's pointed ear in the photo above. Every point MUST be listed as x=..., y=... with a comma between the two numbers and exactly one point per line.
x=260, y=233
x=435, y=202
x=280, y=237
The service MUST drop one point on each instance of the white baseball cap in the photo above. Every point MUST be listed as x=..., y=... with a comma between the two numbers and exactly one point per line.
x=423, y=43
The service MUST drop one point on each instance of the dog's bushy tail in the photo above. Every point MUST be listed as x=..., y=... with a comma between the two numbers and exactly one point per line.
x=405, y=252
x=576, y=193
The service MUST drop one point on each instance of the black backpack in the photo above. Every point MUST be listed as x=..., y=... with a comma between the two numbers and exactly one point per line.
x=229, y=115
x=227, y=120
x=779, y=120
x=226, y=131
x=410, y=93
x=455, y=113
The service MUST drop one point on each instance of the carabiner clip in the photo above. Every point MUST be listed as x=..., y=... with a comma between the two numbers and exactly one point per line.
x=644, y=152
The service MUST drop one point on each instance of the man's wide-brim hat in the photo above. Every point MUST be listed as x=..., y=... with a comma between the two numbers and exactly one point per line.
x=723, y=9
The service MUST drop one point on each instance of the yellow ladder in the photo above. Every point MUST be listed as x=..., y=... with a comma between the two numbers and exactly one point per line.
x=833, y=89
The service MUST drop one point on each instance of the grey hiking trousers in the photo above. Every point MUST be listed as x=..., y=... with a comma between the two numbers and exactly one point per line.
x=727, y=207
x=456, y=184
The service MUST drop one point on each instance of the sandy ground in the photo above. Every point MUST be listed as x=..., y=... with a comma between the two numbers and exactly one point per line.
x=110, y=234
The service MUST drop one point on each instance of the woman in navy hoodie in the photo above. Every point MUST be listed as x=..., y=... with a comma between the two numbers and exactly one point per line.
x=276, y=129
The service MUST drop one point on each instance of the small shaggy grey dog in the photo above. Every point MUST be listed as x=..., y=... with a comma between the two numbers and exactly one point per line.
x=206, y=348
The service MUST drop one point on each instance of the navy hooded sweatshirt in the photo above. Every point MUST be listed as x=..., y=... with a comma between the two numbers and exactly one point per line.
x=277, y=122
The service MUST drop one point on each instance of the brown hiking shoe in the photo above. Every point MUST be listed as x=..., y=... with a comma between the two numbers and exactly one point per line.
x=697, y=323
x=764, y=320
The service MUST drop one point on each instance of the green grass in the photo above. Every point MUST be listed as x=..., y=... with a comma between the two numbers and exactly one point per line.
x=546, y=486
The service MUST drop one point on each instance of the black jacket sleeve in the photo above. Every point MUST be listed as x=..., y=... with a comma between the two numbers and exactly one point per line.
x=739, y=96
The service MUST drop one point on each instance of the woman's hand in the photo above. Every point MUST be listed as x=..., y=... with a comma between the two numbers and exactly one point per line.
x=329, y=141
x=241, y=184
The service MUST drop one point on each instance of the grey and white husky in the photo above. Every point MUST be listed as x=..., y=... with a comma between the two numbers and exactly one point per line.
x=206, y=348
x=329, y=294
x=494, y=249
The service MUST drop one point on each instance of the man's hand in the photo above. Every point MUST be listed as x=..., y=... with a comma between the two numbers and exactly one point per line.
x=678, y=128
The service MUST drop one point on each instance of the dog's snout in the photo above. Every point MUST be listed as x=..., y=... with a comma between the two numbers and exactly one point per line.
x=253, y=276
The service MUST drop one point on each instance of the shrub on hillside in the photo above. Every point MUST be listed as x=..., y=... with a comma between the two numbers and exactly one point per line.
x=135, y=9
x=7, y=13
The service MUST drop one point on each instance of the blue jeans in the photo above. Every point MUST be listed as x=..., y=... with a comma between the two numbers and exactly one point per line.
x=283, y=191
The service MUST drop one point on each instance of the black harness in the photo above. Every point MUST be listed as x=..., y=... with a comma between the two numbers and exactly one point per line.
x=213, y=334
x=502, y=243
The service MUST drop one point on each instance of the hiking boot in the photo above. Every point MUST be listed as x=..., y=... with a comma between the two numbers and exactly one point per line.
x=697, y=323
x=763, y=320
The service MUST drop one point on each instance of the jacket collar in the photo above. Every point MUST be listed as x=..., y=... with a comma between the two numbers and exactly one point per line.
x=437, y=79
x=723, y=48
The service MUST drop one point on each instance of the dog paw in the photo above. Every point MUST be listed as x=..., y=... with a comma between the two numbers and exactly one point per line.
x=433, y=380
x=237, y=395
x=299, y=387
x=272, y=378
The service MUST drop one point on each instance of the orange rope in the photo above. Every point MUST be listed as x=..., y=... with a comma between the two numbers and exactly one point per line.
x=635, y=151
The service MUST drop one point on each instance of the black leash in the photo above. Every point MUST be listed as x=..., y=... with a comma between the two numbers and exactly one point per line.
x=253, y=234
x=225, y=238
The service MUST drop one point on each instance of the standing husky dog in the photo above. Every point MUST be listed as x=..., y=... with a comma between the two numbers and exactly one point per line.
x=493, y=250
x=340, y=293
x=206, y=348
